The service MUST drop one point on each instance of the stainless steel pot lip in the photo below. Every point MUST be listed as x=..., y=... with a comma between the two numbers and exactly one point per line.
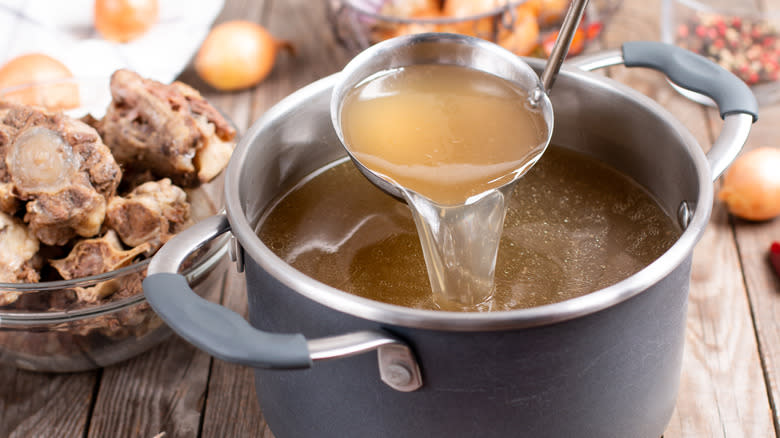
x=472, y=321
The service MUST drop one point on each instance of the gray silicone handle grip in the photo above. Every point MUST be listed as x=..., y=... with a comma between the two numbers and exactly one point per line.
x=219, y=331
x=693, y=72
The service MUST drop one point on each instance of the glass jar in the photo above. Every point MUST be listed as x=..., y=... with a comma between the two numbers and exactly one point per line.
x=743, y=37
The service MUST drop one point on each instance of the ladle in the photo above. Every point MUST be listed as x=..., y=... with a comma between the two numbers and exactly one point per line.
x=460, y=242
x=433, y=48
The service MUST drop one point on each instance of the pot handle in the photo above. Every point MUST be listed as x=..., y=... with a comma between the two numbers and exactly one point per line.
x=228, y=336
x=736, y=103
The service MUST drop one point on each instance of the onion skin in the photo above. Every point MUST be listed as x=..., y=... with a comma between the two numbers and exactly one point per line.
x=751, y=186
x=37, y=67
x=125, y=20
x=237, y=55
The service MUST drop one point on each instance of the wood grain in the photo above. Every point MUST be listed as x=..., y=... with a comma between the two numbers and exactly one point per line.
x=722, y=389
x=763, y=285
x=44, y=405
x=231, y=392
x=232, y=409
x=159, y=391
x=317, y=54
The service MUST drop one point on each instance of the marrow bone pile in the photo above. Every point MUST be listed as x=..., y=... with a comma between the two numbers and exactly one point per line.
x=86, y=197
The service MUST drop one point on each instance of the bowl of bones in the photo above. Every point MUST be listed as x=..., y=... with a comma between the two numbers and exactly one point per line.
x=95, y=176
x=526, y=27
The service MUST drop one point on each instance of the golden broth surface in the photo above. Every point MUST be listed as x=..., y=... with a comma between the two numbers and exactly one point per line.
x=573, y=225
x=446, y=132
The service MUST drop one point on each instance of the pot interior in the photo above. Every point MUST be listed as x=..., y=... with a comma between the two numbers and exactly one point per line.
x=593, y=115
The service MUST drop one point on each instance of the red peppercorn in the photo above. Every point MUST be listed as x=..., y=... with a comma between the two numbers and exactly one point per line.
x=721, y=28
x=774, y=256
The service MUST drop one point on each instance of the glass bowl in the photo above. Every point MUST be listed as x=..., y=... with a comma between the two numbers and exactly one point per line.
x=743, y=37
x=526, y=27
x=48, y=329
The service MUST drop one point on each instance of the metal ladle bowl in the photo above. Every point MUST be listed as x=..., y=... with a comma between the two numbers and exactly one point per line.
x=432, y=48
x=454, y=49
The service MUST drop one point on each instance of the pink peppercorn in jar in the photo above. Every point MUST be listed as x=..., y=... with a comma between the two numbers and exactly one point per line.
x=743, y=37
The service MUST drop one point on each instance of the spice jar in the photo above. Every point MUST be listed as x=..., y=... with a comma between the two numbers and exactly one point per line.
x=743, y=37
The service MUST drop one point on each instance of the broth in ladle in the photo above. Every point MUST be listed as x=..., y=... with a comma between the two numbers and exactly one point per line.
x=574, y=225
x=452, y=138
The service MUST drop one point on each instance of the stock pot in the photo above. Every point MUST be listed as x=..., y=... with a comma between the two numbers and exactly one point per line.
x=606, y=364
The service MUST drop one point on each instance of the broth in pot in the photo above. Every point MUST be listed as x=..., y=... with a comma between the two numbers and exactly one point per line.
x=573, y=225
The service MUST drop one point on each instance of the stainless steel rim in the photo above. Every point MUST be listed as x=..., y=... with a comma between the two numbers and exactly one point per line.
x=453, y=321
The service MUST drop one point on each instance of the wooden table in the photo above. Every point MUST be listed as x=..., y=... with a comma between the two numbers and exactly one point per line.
x=729, y=382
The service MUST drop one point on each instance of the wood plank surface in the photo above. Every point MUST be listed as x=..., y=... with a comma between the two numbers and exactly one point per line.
x=722, y=388
x=231, y=408
x=763, y=284
x=159, y=391
x=44, y=405
x=231, y=392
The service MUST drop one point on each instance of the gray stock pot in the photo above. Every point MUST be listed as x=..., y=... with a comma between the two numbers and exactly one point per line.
x=606, y=364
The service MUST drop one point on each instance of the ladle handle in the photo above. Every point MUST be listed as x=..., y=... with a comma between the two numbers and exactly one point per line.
x=693, y=72
x=736, y=103
x=226, y=335
x=562, y=43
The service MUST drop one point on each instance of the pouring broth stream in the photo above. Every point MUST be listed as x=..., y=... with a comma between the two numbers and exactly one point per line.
x=453, y=139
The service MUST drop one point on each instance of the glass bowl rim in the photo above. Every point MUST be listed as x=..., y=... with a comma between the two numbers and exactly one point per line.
x=493, y=13
x=731, y=10
x=208, y=260
x=28, y=318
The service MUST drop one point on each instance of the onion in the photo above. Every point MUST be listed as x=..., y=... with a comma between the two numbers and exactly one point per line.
x=237, y=54
x=125, y=20
x=25, y=70
x=751, y=186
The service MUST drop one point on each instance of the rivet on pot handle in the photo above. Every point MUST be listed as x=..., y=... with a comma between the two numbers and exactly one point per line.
x=226, y=335
x=736, y=103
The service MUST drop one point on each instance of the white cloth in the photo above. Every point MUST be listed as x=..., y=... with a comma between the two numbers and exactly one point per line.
x=64, y=30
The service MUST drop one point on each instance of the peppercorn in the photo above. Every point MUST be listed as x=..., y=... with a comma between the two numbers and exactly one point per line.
x=750, y=49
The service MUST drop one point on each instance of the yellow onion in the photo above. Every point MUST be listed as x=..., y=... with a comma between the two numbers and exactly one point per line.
x=751, y=186
x=237, y=55
x=125, y=20
x=32, y=68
